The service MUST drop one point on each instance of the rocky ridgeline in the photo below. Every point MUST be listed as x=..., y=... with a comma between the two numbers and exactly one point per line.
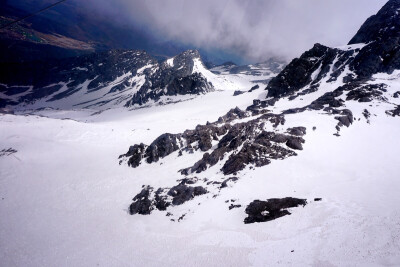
x=380, y=54
x=246, y=143
x=115, y=71
x=382, y=26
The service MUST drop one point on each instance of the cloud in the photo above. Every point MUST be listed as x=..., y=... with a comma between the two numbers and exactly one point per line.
x=254, y=29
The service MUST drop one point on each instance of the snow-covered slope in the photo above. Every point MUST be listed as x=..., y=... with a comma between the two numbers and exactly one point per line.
x=325, y=131
x=66, y=198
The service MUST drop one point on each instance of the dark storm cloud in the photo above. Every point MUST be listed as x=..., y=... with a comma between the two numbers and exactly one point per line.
x=254, y=29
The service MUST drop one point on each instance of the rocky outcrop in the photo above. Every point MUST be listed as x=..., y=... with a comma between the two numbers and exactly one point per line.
x=238, y=92
x=199, y=138
x=164, y=145
x=225, y=183
x=238, y=144
x=142, y=204
x=394, y=112
x=7, y=152
x=383, y=25
x=182, y=193
x=248, y=144
x=148, y=200
x=271, y=209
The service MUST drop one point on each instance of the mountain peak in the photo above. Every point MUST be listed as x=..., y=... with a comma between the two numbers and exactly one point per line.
x=192, y=53
x=383, y=25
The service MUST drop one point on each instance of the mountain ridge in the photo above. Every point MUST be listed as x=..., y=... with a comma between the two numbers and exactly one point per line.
x=338, y=83
x=131, y=78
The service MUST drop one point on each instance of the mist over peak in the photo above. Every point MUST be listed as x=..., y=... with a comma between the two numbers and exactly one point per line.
x=255, y=30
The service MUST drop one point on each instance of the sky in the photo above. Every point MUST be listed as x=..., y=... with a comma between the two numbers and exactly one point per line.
x=247, y=31
x=253, y=29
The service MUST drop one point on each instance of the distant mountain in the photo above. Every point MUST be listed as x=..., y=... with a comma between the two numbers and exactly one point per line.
x=115, y=78
x=264, y=70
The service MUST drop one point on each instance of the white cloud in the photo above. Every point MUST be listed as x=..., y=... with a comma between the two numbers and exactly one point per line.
x=255, y=29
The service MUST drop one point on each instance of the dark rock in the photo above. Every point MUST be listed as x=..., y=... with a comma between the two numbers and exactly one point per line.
x=383, y=25
x=255, y=87
x=204, y=134
x=379, y=56
x=256, y=149
x=7, y=152
x=280, y=138
x=164, y=145
x=299, y=72
x=135, y=153
x=182, y=193
x=181, y=218
x=233, y=114
x=262, y=211
x=258, y=153
x=161, y=202
x=347, y=119
x=298, y=131
x=188, y=180
x=232, y=206
x=293, y=111
x=238, y=92
x=366, y=93
x=295, y=143
x=317, y=199
x=225, y=183
x=329, y=99
x=344, y=120
x=394, y=112
x=142, y=204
